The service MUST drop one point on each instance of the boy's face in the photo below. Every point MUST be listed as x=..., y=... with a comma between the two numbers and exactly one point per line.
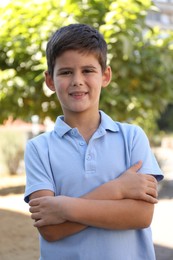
x=77, y=80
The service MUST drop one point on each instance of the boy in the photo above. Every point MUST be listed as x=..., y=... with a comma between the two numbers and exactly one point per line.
x=85, y=194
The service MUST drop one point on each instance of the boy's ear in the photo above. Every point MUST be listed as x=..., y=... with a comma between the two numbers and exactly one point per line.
x=49, y=81
x=107, y=76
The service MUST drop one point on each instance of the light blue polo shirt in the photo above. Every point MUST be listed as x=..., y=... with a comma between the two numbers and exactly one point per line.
x=61, y=161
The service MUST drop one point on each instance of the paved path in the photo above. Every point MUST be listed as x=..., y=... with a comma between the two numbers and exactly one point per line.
x=162, y=225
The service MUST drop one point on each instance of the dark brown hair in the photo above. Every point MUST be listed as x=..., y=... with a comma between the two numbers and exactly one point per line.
x=81, y=37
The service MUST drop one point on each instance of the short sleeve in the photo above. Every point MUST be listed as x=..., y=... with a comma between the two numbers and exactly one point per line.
x=38, y=170
x=141, y=150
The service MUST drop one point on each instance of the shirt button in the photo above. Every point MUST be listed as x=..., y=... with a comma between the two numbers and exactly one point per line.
x=89, y=157
x=81, y=143
x=73, y=132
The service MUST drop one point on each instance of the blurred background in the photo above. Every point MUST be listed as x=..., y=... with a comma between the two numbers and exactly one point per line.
x=139, y=34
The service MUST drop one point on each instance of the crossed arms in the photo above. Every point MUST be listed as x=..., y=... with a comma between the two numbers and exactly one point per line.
x=124, y=203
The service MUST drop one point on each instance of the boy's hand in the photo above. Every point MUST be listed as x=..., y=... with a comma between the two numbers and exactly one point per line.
x=47, y=210
x=133, y=185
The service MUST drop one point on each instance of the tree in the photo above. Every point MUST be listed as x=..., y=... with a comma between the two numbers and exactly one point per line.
x=26, y=26
x=141, y=61
x=138, y=55
x=165, y=121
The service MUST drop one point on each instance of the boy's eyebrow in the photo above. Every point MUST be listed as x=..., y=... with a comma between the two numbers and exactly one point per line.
x=64, y=68
x=89, y=66
x=82, y=67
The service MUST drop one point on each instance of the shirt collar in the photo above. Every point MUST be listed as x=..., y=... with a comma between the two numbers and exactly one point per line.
x=107, y=123
x=61, y=128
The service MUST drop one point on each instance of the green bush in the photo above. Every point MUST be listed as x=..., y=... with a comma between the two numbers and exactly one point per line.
x=12, y=149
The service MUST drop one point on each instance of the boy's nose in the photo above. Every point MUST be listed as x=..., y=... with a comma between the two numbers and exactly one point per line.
x=77, y=84
x=77, y=80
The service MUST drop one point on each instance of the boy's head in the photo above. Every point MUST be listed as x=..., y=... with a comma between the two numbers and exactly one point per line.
x=80, y=37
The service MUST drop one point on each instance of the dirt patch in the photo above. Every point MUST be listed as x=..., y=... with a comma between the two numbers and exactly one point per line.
x=19, y=239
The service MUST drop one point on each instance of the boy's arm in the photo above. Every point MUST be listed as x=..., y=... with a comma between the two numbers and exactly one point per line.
x=118, y=215
x=79, y=213
x=59, y=231
x=113, y=190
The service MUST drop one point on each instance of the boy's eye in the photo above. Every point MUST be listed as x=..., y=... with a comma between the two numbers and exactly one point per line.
x=88, y=71
x=65, y=72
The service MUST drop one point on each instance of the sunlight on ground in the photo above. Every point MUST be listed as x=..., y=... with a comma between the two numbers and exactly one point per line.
x=162, y=225
x=14, y=203
x=11, y=197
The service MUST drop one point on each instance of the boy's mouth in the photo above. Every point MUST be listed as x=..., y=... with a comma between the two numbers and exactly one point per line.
x=78, y=94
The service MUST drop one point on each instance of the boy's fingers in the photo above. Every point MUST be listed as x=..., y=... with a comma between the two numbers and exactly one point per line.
x=34, y=202
x=152, y=179
x=33, y=209
x=39, y=223
x=151, y=199
x=35, y=216
x=136, y=166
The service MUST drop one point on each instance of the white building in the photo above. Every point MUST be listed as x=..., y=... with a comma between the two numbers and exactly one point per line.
x=163, y=15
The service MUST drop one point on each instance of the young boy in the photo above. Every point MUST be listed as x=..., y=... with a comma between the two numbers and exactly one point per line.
x=85, y=193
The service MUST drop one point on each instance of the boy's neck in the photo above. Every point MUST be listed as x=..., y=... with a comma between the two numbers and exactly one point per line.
x=86, y=124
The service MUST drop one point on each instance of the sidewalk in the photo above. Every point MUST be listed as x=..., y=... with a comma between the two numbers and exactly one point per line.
x=162, y=225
